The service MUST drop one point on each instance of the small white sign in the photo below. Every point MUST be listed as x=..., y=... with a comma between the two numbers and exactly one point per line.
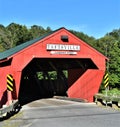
x=63, y=52
x=63, y=47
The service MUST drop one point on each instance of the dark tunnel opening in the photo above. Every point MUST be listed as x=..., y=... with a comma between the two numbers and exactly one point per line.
x=45, y=78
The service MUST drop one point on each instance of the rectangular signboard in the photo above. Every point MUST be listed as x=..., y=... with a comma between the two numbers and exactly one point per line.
x=63, y=47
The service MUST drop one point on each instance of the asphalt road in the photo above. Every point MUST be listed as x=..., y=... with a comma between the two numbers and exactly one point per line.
x=63, y=113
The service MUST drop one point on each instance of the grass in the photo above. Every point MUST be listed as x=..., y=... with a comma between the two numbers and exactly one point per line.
x=113, y=92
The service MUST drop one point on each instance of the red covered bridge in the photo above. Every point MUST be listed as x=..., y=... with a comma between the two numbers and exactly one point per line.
x=60, y=52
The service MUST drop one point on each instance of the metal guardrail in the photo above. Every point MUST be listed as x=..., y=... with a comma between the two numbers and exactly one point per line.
x=113, y=100
x=10, y=108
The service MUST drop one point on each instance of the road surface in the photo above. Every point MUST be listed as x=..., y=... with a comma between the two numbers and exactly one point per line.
x=63, y=113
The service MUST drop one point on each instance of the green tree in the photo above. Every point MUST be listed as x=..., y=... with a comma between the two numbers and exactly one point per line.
x=6, y=40
x=109, y=46
x=2, y=28
x=20, y=34
x=48, y=29
x=37, y=31
x=114, y=65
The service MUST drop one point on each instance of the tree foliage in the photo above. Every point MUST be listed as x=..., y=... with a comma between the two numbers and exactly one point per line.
x=15, y=34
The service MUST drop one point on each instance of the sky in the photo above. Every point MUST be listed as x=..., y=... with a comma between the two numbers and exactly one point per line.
x=92, y=17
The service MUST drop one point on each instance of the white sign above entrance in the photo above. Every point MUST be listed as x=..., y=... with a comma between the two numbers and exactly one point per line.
x=64, y=52
x=63, y=47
